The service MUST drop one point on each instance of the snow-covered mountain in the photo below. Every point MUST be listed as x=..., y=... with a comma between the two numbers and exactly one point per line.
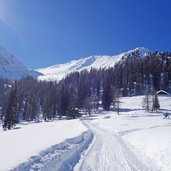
x=11, y=68
x=57, y=72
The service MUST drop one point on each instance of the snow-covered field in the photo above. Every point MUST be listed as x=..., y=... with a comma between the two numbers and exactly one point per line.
x=134, y=140
x=148, y=133
x=24, y=145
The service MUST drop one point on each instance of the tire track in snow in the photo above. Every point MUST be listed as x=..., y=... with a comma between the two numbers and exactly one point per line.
x=60, y=157
x=109, y=152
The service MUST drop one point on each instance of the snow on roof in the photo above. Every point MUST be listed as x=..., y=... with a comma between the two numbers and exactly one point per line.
x=162, y=92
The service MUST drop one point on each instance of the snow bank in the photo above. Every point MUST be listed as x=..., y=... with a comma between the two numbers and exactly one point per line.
x=149, y=133
x=62, y=156
x=24, y=145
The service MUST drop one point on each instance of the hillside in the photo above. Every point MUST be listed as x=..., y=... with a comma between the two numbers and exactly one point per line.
x=11, y=68
x=57, y=72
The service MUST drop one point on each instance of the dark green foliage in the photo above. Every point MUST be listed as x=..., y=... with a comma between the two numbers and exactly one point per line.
x=107, y=97
x=50, y=106
x=11, y=109
x=29, y=99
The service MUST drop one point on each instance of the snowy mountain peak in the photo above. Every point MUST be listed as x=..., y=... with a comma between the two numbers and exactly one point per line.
x=7, y=58
x=11, y=68
x=140, y=49
x=57, y=72
x=139, y=52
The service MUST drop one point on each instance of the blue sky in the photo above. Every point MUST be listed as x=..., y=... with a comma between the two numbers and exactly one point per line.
x=46, y=32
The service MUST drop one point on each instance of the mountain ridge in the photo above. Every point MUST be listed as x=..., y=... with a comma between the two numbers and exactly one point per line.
x=59, y=71
x=11, y=68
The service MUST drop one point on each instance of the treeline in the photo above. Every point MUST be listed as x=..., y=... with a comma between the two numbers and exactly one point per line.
x=88, y=91
x=136, y=74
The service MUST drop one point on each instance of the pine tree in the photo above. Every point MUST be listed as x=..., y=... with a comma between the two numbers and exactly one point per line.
x=72, y=109
x=11, y=109
x=88, y=105
x=147, y=103
x=117, y=100
x=64, y=101
x=107, y=96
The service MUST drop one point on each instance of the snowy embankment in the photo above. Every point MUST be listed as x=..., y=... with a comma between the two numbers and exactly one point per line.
x=47, y=146
x=149, y=133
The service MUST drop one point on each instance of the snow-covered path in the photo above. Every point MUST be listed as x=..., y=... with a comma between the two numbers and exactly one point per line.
x=109, y=152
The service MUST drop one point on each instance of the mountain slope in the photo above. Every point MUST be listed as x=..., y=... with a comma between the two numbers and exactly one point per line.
x=11, y=68
x=57, y=72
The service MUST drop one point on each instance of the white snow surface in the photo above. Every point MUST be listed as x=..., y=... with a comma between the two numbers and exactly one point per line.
x=11, y=68
x=134, y=140
x=57, y=72
x=110, y=152
x=24, y=144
